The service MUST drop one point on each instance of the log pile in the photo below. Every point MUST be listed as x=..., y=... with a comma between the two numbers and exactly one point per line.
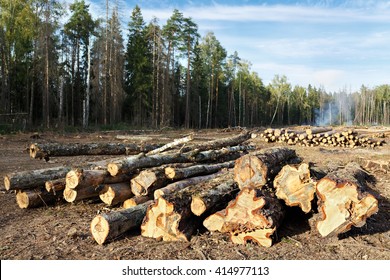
x=216, y=186
x=321, y=136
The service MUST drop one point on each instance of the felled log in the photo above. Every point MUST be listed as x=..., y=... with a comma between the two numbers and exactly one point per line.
x=344, y=200
x=33, y=198
x=46, y=150
x=87, y=192
x=170, y=145
x=213, y=197
x=180, y=185
x=129, y=164
x=135, y=200
x=254, y=215
x=33, y=178
x=256, y=169
x=108, y=226
x=315, y=130
x=55, y=185
x=79, y=178
x=220, y=143
x=177, y=173
x=151, y=179
x=113, y=194
x=295, y=186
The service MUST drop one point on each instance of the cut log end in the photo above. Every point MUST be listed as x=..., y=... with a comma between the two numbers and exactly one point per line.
x=7, y=183
x=73, y=178
x=198, y=207
x=295, y=186
x=170, y=172
x=100, y=229
x=113, y=169
x=249, y=171
x=342, y=206
x=70, y=195
x=22, y=199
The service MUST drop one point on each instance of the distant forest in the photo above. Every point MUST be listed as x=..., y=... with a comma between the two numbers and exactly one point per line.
x=60, y=67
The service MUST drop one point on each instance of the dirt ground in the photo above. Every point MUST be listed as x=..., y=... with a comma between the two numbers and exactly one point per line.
x=62, y=231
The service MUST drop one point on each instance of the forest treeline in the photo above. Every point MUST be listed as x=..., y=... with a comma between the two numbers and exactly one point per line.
x=62, y=67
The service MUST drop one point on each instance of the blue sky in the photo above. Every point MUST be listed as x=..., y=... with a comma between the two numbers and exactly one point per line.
x=338, y=45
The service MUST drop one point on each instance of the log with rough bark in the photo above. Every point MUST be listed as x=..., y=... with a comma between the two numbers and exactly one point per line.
x=177, y=173
x=87, y=192
x=344, y=200
x=170, y=145
x=135, y=200
x=295, y=186
x=315, y=130
x=55, y=185
x=220, y=143
x=130, y=164
x=79, y=178
x=46, y=150
x=34, y=178
x=170, y=218
x=108, y=226
x=258, y=168
x=254, y=215
x=113, y=194
x=33, y=198
x=149, y=180
x=180, y=185
x=213, y=197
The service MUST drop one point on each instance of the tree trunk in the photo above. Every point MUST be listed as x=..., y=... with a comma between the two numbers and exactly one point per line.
x=180, y=185
x=79, y=178
x=34, y=178
x=129, y=164
x=257, y=169
x=33, y=198
x=109, y=226
x=56, y=185
x=177, y=173
x=344, y=201
x=87, y=192
x=254, y=215
x=113, y=194
x=135, y=200
x=295, y=186
x=214, y=197
x=171, y=144
x=75, y=149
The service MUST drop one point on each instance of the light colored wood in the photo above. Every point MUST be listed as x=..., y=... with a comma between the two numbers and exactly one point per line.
x=135, y=200
x=113, y=194
x=33, y=198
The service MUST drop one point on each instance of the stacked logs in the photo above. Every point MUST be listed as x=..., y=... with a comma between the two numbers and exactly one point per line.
x=320, y=136
x=171, y=195
x=111, y=181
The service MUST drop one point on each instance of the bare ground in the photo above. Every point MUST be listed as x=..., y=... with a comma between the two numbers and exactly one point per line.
x=62, y=231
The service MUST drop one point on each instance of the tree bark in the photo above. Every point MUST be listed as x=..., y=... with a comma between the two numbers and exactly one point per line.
x=113, y=194
x=214, y=197
x=33, y=198
x=129, y=164
x=46, y=150
x=343, y=200
x=109, y=226
x=34, y=178
x=180, y=185
x=254, y=215
x=55, y=185
x=177, y=173
x=171, y=145
x=88, y=192
x=259, y=168
x=295, y=186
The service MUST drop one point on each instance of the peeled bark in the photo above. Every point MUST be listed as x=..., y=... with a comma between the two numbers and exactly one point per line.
x=343, y=200
x=33, y=198
x=254, y=215
x=259, y=168
x=113, y=194
x=295, y=186
x=109, y=226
